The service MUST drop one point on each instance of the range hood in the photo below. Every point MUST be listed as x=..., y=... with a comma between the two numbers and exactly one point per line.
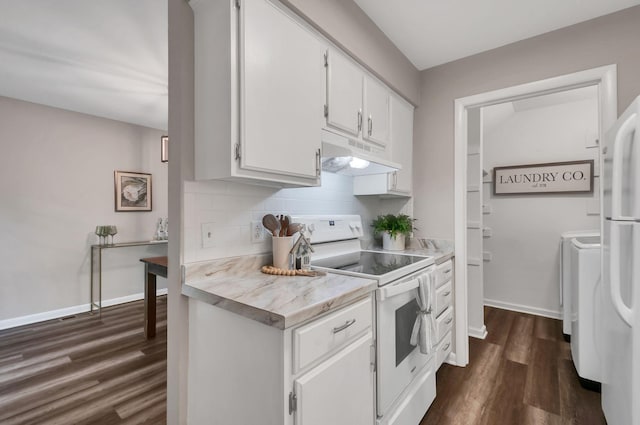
x=342, y=155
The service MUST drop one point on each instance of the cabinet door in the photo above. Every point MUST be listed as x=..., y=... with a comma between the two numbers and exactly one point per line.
x=340, y=390
x=401, y=144
x=281, y=92
x=376, y=112
x=344, y=93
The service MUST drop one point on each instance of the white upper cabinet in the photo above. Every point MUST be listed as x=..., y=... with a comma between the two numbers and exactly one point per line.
x=282, y=96
x=260, y=91
x=266, y=84
x=376, y=112
x=357, y=104
x=398, y=183
x=402, y=144
x=344, y=93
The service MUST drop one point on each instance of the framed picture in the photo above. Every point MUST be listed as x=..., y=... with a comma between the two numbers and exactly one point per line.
x=132, y=191
x=554, y=177
x=164, y=149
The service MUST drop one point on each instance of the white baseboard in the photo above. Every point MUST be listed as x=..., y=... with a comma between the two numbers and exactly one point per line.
x=452, y=359
x=523, y=309
x=129, y=298
x=478, y=333
x=69, y=311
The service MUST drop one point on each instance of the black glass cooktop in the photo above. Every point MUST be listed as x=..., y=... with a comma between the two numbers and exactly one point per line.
x=368, y=262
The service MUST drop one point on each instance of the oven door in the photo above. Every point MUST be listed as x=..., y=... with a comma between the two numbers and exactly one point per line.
x=399, y=362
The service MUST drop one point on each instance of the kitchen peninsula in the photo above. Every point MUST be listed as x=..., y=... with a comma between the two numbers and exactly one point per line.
x=280, y=342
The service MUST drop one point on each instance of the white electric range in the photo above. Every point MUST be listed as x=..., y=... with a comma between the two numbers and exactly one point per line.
x=405, y=374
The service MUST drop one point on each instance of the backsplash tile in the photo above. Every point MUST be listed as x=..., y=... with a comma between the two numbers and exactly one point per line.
x=232, y=207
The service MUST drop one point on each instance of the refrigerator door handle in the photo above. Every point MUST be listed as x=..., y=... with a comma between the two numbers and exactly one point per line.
x=625, y=313
x=618, y=156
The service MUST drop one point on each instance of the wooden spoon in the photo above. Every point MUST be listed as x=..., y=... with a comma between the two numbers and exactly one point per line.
x=271, y=223
x=285, y=225
x=293, y=228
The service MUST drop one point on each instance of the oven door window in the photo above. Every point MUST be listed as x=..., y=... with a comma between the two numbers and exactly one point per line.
x=405, y=319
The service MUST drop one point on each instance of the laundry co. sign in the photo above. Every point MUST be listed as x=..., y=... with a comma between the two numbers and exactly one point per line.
x=555, y=177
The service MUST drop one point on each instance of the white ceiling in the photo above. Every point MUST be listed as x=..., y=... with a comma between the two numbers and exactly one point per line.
x=109, y=58
x=433, y=32
x=104, y=58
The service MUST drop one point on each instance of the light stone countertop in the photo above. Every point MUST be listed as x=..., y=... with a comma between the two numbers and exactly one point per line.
x=236, y=284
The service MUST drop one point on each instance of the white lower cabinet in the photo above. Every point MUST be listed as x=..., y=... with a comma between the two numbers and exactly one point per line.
x=333, y=366
x=241, y=371
x=443, y=350
x=443, y=306
x=339, y=391
x=313, y=341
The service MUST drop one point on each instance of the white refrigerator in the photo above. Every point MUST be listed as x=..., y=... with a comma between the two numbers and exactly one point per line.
x=620, y=323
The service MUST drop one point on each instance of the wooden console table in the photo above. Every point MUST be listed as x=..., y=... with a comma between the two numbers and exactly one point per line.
x=96, y=269
x=153, y=266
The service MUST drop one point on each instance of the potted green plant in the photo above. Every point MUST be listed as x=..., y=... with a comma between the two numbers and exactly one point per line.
x=394, y=230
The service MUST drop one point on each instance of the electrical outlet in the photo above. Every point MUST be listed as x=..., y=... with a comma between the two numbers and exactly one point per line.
x=208, y=234
x=257, y=232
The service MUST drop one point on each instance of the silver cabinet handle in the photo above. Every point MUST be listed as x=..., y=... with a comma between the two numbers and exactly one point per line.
x=359, y=120
x=446, y=347
x=395, y=179
x=345, y=326
x=449, y=321
x=370, y=125
x=447, y=271
x=318, y=163
x=446, y=294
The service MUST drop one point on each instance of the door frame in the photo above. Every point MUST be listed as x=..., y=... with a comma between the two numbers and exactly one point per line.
x=604, y=77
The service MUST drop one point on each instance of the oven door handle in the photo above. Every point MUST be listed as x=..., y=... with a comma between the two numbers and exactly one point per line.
x=389, y=291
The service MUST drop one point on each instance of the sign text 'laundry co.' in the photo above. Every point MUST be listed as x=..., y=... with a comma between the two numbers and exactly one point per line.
x=555, y=177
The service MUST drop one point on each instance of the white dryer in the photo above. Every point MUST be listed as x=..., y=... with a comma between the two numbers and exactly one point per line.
x=586, y=292
x=565, y=275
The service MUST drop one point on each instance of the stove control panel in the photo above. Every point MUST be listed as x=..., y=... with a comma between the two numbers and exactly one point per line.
x=331, y=228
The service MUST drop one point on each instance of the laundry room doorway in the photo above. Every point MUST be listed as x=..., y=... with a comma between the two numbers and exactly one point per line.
x=526, y=124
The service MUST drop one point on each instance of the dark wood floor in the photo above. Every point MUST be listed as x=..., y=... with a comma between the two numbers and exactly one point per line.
x=85, y=370
x=521, y=374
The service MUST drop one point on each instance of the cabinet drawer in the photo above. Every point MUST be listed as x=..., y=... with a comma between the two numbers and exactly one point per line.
x=444, y=272
x=444, y=323
x=443, y=350
x=314, y=340
x=444, y=295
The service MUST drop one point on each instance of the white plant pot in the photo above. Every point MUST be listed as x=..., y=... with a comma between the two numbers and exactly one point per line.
x=393, y=244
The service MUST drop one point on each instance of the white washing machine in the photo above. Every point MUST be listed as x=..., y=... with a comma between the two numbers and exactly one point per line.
x=586, y=291
x=565, y=275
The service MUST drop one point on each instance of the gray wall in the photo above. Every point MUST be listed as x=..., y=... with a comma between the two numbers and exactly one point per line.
x=523, y=272
x=612, y=39
x=348, y=26
x=57, y=185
